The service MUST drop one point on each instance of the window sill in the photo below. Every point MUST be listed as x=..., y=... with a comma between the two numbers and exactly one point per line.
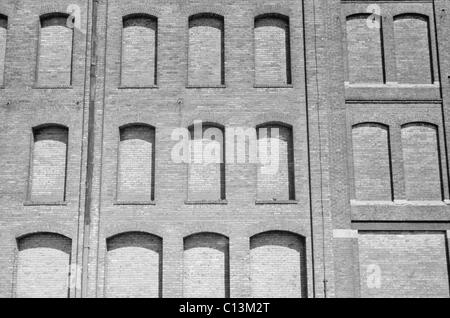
x=36, y=203
x=135, y=203
x=139, y=87
x=206, y=202
x=52, y=87
x=265, y=202
x=205, y=86
x=273, y=86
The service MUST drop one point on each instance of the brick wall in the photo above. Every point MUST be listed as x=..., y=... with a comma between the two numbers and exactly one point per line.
x=139, y=51
x=403, y=265
x=371, y=162
x=43, y=264
x=134, y=266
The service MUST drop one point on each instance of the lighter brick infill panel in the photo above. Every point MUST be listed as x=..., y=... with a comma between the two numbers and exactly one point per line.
x=421, y=162
x=3, y=36
x=134, y=266
x=371, y=162
x=277, y=265
x=136, y=164
x=364, y=49
x=272, y=51
x=139, y=42
x=403, y=265
x=49, y=161
x=412, y=49
x=206, y=266
x=55, y=52
x=206, y=56
x=43, y=266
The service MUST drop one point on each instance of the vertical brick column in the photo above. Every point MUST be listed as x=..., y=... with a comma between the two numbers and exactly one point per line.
x=172, y=265
x=239, y=267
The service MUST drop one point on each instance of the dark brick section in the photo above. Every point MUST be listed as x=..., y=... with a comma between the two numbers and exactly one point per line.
x=358, y=204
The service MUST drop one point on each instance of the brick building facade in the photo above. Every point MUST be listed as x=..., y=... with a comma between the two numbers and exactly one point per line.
x=96, y=95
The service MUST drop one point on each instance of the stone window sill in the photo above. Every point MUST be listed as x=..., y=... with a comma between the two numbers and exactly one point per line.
x=135, y=203
x=49, y=203
x=264, y=202
x=53, y=87
x=139, y=87
x=273, y=86
x=206, y=202
x=205, y=86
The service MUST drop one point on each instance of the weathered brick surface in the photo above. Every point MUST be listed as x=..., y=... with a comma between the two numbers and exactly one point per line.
x=139, y=51
x=133, y=266
x=403, y=265
x=371, y=160
x=276, y=265
x=364, y=49
x=272, y=51
x=324, y=163
x=55, y=52
x=206, y=271
x=135, y=164
x=43, y=265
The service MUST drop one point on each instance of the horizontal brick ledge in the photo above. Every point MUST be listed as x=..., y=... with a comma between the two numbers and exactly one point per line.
x=217, y=202
x=264, y=202
x=135, y=203
x=33, y=203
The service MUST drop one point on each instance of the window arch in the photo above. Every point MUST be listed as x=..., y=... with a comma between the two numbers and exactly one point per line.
x=206, y=63
x=134, y=266
x=275, y=176
x=372, y=162
x=139, y=50
x=55, y=51
x=206, y=177
x=49, y=164
x=364, y=50
x=206, y=269
x=3, y=36
x=136, y=164
x=272, y=50
x=421, y=160
x=278, y=265
x=413, y=66
x=43, y=266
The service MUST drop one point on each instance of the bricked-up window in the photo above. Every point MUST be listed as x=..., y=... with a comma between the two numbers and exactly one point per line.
x=43, y=266
x=272, y=50
x=206, y=271
x=206, y=50
x=207, y=167
x=139, y=50
x=55, y=51
x=277, y=265
x=372, y=162
x=421, y=161
x=136, y=166
x=364, y=51
x=134, y=266
x=49, y=164
x=412, y=49
x=275, y=177
x=3, y=35
x=403, y=264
